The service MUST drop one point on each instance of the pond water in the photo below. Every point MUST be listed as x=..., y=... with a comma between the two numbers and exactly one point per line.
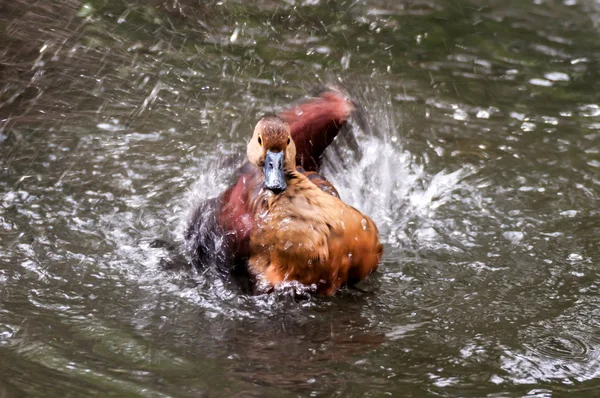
x=479, y=160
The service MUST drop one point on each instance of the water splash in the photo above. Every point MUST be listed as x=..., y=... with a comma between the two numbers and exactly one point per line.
x=389, y=183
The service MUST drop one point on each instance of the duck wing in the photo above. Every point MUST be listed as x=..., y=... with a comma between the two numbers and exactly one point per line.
x=314, y=123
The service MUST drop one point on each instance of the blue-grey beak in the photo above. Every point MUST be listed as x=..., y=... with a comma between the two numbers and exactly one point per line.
x=274, y=174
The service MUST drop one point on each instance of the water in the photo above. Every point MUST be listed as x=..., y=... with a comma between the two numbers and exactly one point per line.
x=480, y=163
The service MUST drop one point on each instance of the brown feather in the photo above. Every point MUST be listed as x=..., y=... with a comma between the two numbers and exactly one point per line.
x=315, y=123
x=309, y=236
x=305, y=233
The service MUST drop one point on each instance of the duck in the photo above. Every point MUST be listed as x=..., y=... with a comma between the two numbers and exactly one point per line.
x=281, y=221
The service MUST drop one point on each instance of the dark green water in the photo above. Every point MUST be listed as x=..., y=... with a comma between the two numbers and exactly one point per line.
x=480, y=164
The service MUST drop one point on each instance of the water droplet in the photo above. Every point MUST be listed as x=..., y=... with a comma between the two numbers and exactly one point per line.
x=528, y=126
x=345, y=61
x=594, y=163
x=569, y=213
x=518, y=116
x=235, y=34
x=578, y=61
x=460, y=114
x=483, y=114
x=514, y=236
x=496, y=379
x=540, y=82
x=590, y=110
x=557, y=76
x=550, y=120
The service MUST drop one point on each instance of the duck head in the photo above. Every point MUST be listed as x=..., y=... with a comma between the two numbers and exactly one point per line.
x=272, y=149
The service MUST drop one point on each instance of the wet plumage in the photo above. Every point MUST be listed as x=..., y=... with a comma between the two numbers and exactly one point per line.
x=281, y=220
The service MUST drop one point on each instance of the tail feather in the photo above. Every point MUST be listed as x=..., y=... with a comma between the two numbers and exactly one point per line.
x=315, y=123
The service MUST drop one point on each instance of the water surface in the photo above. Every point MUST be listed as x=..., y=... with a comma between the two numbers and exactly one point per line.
x=479, y=160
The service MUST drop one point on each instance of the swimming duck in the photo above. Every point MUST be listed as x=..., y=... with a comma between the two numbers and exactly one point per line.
x=282, y=221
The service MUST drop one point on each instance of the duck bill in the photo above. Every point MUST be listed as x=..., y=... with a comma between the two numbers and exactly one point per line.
x=273, y=171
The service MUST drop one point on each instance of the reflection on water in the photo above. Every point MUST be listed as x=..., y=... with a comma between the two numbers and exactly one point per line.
x=478, y=157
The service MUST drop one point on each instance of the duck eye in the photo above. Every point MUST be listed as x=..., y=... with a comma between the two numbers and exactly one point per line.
x=259, y=140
